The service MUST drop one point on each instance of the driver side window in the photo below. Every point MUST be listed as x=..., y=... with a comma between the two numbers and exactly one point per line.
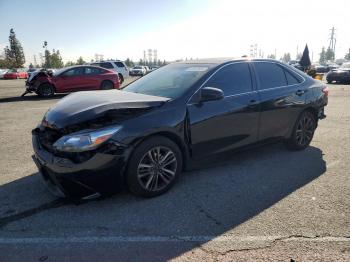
x=232, y=79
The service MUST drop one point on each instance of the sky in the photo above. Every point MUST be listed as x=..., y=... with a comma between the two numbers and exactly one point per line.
x=178, y=29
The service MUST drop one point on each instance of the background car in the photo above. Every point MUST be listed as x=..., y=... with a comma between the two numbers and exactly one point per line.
x=138, y=71
x=71, y=79
x=15, y=74
x=3, y=72
x=117, y=66
x=341, y=75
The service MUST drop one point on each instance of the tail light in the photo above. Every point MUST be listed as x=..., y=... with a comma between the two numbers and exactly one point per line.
x=325, y=90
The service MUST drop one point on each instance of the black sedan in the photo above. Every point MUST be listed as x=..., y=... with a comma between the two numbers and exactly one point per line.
x=340, y=75
x=93, y=143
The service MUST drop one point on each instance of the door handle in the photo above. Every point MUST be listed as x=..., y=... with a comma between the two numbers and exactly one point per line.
x=253, y=103
x=300, y=92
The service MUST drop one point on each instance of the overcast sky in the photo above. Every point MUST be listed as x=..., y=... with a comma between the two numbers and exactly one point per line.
x=176, y=28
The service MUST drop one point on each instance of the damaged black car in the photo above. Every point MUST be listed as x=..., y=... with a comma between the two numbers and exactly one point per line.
x=142, y=137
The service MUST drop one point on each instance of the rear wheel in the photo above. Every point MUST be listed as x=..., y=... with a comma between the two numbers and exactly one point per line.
x=105, y=85
x=303, y=132
x=46, y=90
x=154, y=167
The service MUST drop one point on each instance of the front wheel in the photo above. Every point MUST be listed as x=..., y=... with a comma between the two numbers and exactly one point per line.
x=303, y=132
x=154, y=167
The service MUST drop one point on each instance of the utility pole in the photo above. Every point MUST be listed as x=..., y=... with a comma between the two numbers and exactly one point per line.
x=332, y=41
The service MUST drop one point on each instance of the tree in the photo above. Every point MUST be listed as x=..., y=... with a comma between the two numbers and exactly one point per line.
x=69, y=63
x=80, y=61
x=347, y=56
x=129, y=62
x=14, y=54
x=31, y=65
x=141, y=62
x=322, y=56
x=271, y=56
x=329, y=54
x=56, y=59
x=52, y=60
x=286, y=57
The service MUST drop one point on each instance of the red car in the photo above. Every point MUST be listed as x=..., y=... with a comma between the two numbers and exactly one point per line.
x=15, y=74
x=72, y=79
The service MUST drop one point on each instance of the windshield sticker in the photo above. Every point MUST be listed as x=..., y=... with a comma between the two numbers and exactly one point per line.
x=197, y=69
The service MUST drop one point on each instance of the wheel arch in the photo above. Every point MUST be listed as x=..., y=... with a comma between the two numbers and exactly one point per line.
x=49, y=83
x=174, y=138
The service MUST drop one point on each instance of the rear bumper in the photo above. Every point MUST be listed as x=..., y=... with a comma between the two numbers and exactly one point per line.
x=102, y=174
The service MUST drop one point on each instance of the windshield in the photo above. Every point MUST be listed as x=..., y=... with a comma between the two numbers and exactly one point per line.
x=137, y=67
x=59, y=71
x=169, y=81
x=345, y=65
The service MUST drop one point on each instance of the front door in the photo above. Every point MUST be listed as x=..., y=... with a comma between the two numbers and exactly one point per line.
x=217, y=126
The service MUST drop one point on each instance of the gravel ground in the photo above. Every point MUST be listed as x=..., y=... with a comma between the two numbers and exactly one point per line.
x=263, y=204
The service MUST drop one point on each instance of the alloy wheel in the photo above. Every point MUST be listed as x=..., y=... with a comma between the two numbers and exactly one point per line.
x=305, y=130
x=157, y=168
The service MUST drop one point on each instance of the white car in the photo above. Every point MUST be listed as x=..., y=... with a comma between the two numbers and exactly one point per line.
x=3, y=72
x=116, y=66
x=138, y=71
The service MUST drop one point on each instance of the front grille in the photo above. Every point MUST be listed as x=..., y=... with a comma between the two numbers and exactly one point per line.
x=47, y=137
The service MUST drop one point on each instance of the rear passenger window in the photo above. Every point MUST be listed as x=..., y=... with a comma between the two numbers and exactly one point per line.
x=270, y=75
x=92, y=71
x=106, y=65
x=232, y=79
x=291, y=79
x=119, y=64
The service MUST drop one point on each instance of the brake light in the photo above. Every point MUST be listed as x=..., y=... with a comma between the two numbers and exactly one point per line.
x=325, y=90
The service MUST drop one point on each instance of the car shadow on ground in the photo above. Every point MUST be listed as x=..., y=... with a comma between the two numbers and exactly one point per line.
x=221, y=193
x=29, y=98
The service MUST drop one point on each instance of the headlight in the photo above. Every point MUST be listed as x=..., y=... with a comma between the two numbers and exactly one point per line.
x=85, y=140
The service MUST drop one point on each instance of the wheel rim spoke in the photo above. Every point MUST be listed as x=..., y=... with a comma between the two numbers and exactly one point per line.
x=157, y=168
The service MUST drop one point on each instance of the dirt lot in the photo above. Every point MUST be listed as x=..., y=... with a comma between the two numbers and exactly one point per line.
x=267, y=203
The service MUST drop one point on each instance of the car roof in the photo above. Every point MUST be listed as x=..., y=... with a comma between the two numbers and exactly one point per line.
x=218, y=61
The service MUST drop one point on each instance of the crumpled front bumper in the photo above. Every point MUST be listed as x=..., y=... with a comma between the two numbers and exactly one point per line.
x=102, y=174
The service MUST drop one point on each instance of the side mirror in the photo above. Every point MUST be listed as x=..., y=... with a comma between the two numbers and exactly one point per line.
x=211, y=94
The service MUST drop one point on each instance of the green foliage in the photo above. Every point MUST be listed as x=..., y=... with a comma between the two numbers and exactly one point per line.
x=329, y=54
x=322, y=59
x=14, y=55
x=80, y=61
x=347, y=56
x=52, y=59
x=129, y=62
x=31, y=65
x=69, y=63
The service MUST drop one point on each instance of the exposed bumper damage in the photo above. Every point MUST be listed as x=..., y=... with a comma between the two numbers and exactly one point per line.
x=101, y=174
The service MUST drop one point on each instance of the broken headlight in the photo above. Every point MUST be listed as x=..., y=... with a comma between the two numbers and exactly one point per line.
x=85, y=140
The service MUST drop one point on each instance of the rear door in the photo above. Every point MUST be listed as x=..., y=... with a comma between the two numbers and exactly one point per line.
x=92, y=77
x=282, y=98
x=122, y=68
x=221, y=125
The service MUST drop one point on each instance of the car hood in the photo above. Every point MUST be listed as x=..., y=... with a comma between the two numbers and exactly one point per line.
x=85, y=106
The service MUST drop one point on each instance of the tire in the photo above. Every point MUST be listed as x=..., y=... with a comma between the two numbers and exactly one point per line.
x=146, y=175
x=303, y=131
x=46, y=90
x=106, y=85
x=121, y=78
